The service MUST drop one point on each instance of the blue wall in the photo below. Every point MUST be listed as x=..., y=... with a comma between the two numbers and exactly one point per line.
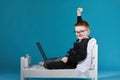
x=24, y=22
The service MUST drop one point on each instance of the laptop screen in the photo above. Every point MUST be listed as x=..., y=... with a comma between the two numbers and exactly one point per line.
x=41, y=50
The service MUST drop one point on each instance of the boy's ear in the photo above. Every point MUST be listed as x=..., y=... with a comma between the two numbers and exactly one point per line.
x=88, y=31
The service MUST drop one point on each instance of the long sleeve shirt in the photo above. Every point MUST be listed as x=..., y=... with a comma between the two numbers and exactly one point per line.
x=78, y=52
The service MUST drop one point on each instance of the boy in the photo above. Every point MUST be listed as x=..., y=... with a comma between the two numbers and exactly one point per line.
x=78, y=52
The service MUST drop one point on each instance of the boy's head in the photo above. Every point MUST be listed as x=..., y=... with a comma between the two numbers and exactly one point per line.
x=82, y=29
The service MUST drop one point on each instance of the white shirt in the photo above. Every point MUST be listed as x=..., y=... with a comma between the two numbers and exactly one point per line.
x=84, y=65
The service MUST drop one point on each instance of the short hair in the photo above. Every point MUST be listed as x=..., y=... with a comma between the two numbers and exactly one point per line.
x=82, y=23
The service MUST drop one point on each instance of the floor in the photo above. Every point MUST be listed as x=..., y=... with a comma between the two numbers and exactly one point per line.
x=109, y=75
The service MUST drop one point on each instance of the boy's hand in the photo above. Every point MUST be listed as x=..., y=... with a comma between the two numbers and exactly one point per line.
x=79, y=11
x=64, y=59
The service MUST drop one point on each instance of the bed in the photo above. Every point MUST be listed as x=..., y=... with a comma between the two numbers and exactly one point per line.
x=38, y=71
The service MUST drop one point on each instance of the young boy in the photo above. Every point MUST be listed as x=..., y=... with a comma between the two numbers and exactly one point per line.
x=78, y=52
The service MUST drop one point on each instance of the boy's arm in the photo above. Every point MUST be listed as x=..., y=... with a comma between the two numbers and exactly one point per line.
x=79, y=11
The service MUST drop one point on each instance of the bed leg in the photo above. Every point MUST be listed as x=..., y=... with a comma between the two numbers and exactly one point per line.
x=22, y=69
x=26, y=78
x=22, y=78
x=22, y=64
x=94, y=79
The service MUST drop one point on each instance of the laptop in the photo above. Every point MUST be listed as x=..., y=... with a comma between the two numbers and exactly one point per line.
x=42, y=52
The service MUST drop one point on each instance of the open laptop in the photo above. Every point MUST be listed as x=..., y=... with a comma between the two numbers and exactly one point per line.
x=44, y=55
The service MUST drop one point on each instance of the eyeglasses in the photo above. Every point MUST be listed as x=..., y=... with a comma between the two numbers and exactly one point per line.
x=81, y=31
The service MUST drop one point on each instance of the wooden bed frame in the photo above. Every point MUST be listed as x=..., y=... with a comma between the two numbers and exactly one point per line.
x=38, y=71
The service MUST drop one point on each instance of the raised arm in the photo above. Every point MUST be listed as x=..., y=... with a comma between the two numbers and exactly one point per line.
x=79, y=11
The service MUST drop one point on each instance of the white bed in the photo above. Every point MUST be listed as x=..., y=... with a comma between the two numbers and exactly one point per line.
x=38, y=71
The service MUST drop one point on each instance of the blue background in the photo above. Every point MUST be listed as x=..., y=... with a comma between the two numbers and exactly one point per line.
x=51, y=22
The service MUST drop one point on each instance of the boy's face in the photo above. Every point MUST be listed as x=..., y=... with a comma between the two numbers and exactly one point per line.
x=82, y=32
